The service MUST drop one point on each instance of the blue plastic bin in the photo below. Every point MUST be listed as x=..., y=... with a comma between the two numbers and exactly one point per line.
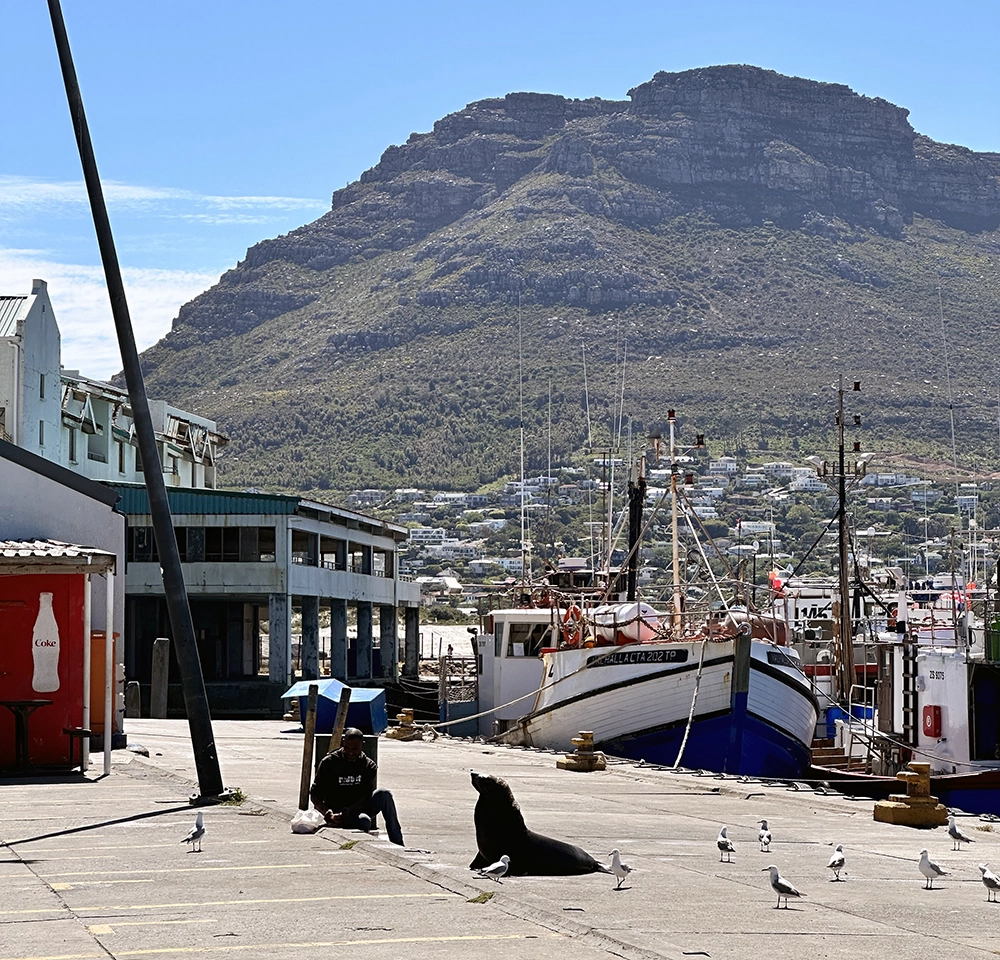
x=367, y=710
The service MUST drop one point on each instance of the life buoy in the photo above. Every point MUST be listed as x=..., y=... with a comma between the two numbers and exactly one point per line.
x=572, y=626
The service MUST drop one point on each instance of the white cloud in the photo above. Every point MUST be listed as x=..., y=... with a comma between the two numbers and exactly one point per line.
x=29, y=195
x=80, y=298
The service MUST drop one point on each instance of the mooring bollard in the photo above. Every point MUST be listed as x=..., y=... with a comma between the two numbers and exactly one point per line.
x=586, y=757
x=133, y=708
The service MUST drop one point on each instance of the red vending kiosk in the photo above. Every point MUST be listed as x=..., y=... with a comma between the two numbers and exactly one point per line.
x=41, y=657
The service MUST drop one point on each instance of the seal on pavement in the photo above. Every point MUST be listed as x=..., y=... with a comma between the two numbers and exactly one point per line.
x=500, y=831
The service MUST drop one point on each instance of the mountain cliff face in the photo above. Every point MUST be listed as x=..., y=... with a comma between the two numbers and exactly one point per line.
x=734, y=228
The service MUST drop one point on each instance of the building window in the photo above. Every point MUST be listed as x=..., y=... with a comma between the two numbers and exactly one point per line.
x=121, y=457
x=222, y=544
x=266, y=544
x=41, y=386
x=41, y=433
x=72, y=445
x=140, y=545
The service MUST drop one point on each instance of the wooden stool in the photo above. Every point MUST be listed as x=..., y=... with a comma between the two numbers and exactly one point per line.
x=76, y=733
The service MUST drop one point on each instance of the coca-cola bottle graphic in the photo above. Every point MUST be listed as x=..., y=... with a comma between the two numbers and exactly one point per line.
x=45, y=647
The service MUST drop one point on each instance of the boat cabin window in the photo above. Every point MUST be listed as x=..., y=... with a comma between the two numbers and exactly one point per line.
x=527, y=639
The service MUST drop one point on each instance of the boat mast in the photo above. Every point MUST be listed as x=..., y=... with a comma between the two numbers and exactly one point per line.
x=675, y=546
x=636, y=496
x=845, y=631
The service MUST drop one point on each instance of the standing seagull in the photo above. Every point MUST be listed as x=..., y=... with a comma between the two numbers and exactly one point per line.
x=991, y=881
x=496, y=870
x=956, y=834
x=764, y=837
x=930, y=869
x=836, y=863
x=725, y=846
x=780, y=886
x=197, y=832
x=619, y=869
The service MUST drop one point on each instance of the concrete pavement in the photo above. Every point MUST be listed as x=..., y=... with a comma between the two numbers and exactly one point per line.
x=130, y=888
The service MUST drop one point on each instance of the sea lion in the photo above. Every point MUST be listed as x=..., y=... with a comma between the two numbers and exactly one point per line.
x=500, y=831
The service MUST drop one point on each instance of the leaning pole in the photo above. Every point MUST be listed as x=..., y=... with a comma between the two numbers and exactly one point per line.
x=186, y=647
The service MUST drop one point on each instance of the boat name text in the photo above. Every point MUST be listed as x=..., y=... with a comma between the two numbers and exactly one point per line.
x=620, y=657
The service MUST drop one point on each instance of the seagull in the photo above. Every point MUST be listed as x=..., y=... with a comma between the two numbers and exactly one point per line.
x=836, y=863
x=780, y=886
x=725, y=846
x=764, y=837
x=956, y=834
x=197, y=832
x=619, y=869
x=991, y=881
x=496, y=870
x=930, y=869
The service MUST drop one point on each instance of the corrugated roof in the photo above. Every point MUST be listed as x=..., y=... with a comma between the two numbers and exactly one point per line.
x=27, y=553
x=134, y=500
x=10, y=310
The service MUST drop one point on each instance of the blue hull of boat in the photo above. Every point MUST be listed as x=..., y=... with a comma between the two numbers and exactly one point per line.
x=736, y=743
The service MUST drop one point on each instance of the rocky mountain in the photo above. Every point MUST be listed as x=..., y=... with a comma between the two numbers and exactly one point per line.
x=727, y=241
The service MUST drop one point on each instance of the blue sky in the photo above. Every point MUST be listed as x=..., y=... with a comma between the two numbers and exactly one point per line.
x=217, y=124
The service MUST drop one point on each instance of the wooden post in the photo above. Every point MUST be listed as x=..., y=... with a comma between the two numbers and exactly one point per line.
x=442, y=687
x=307, y=747
x=341, y=721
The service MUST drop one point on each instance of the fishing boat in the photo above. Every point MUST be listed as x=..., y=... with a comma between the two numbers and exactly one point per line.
x=936, y=698
x=927, y=686
x=727, y=701
x=702, y=685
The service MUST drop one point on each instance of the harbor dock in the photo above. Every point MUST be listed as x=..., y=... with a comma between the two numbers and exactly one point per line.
x=96, y=866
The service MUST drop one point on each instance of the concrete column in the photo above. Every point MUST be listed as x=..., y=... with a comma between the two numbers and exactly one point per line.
x=338, y=639
x=364, y=669
x=387, y=640
x=279, y=617
x=411, y=641
x=160, y=678
x=310, y=638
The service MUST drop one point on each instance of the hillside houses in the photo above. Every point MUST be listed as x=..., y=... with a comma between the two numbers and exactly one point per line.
x=768, y=508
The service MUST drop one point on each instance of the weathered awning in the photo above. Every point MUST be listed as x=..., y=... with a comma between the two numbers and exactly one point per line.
x=52, y=556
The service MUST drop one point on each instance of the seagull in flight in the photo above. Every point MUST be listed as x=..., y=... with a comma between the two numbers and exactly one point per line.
x=930, y=869
x=725, y=846
x=197, y=832
x=780, y=886
x=619, y=869
x=496, y=870
x=764, y=836
x=991, y=881
x=836, y=863
x=956, y=834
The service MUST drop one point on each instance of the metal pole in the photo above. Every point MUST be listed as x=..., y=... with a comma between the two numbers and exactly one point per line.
x=675, y=555
x=87, y=667
x=195, y=697
x=110, y=664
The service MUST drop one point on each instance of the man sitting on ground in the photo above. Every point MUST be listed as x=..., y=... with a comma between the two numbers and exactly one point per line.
x=344, y=791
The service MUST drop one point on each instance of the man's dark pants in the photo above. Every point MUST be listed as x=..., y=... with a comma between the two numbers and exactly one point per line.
x=383, y=803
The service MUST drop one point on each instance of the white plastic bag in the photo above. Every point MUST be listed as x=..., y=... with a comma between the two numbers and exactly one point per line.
x=307, y=821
